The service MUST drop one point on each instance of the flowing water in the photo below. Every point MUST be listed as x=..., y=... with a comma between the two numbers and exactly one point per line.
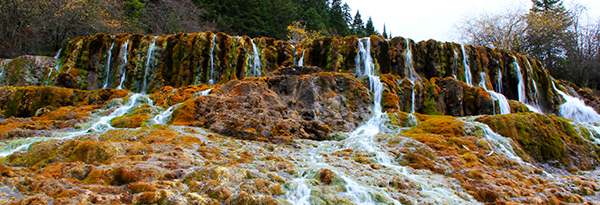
x=468, y=78
x=211, y=81
x=101, y=124
x=301, y=61
x=54, y=69
x=256, y=60
x=498, y=97
x=148, y=61
x=499, y=85
x=123, y=57
x=108, y=65
x=521, y=88
x=575, y=109
x=164, y=117
x=294, y=55
x=361, y=187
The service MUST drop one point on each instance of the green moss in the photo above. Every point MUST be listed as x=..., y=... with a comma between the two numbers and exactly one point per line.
x=430, y=107
x=544, y=137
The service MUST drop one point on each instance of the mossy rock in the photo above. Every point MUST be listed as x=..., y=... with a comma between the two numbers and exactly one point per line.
x=546, y=138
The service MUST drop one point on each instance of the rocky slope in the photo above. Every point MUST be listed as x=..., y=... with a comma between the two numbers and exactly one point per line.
x=224, y=124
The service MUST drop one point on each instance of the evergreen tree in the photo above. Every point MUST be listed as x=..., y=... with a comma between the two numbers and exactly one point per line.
x=384, y=33
x=548, y=24
x=337, y=19
x=358, y=27
x=370, y=29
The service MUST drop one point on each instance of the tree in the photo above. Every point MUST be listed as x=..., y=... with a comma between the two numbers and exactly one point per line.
x=548, y=24
x=337, y=19
x=503, y=30
x=358, y=27
x=40, y=27
x=370, y=29
x=297, y=33
x=583, y=50
x=164, y=16
x=384, y=32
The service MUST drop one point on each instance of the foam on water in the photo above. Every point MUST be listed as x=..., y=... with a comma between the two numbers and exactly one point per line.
x=575, y=109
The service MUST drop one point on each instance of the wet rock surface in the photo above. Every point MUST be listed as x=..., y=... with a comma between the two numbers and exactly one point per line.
x=280, y=107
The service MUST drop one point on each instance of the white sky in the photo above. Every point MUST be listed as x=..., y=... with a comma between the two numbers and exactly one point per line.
x=434, y=19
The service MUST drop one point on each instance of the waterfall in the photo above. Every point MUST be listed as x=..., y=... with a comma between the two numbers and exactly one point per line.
x=123, y=57
x=301, y=61
x=294, y=55
x=3, y=64
x=148, y=61
x=499, y=85
x=499, y=97
x=536, y=93
x=455, y=64
x=498, y=144
x=100, y=125
x=433, y=188
x=54, y=69
x=108, y=65
x=364, y=61
x=211, y=81
x=165, y=116
x=412, y=74
x=521, y=88
x=575, y=109
x=256, y=60
x=468, y=77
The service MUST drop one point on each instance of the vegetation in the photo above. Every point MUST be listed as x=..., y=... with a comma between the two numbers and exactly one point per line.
x=564, y=40
x=40, y=28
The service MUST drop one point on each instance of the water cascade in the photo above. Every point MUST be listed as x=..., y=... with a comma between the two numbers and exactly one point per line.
x=575, y=109
x=3, y=65
x=123, y=57
x=148, y=61
x=412, y=75
x=536, y=93
x=100, y=125
x=294, y=55
x=521, y=88
x=497, y=143
x=108, y=65
x=468, y=78
x=211, y=81
x=54, y=69
x=256, y=60
x=454, y=74
x=499, y=85
x=499, y=97
x=301, y=61
x=433, y=188
x=165, y=116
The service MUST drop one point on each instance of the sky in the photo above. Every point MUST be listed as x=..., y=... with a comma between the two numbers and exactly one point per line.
x=434, y=19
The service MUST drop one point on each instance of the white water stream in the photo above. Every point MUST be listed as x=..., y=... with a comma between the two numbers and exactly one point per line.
x=108, y=65
x=468, y=78
x=52, y=70
x=123, y=57
x=360, y=189
x=148, y=61
x=256, y=61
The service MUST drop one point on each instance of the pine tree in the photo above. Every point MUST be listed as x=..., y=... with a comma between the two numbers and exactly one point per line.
x=370, y=29
x=384, y=33
x=358, y=27
x=337, y=19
